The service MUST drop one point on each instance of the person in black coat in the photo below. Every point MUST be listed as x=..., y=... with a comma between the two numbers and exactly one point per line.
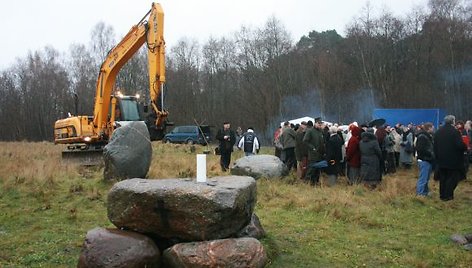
x=227, y=139
x=449, y=151
x=334, y=155
x=425, y=158
x=371, y=155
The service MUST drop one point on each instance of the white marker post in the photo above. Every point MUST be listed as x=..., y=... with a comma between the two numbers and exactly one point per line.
x=201, y=167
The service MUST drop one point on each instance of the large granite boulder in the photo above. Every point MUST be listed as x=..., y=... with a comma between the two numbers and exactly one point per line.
x=253, y=229
x=257, y=166
x=236, y=252
x=117, y=248
x=129, y=152
x=182, y=209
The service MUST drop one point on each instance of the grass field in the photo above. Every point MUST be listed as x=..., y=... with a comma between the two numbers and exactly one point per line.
x=46, y=208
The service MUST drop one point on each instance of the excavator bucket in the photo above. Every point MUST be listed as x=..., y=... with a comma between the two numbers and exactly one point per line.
x=90, y=157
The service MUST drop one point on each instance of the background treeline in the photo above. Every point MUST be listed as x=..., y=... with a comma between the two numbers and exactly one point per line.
x=258, y=76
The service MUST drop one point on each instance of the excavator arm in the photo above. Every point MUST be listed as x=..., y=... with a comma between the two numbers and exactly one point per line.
x=156, y=65
x=85, y=136
x=148, y=31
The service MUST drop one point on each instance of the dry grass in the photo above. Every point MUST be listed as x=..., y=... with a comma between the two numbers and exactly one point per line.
x=179, y=161
x=36, y=165
x=47, y=206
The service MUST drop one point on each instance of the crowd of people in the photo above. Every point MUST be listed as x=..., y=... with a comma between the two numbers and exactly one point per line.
x=364, y=153
x=367, y=152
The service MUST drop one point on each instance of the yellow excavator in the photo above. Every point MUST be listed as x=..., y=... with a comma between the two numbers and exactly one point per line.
x=83, y=133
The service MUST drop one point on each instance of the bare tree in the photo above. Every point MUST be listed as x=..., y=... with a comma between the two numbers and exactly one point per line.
x=83, y=74
x=102, y=41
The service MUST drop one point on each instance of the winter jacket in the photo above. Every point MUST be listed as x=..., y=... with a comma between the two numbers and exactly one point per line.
x=249, y=142
x=301, y=149
x=449, y=148
x=226, y=145
x=353, y=153
x=287, y=138
x=406, y=157
x=389, y=143
x=397, y=138
x=314, y=141
x=334, y=154
x=370, y=157
x=424, y=147
x=381, y=135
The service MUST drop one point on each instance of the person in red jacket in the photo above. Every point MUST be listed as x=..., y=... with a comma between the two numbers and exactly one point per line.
x=466, y=140
x=353, y=155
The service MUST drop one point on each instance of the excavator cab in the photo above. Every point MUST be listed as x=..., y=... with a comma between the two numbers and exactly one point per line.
x=126, y=109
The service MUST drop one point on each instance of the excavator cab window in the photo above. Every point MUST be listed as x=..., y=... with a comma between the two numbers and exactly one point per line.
x=129, y=109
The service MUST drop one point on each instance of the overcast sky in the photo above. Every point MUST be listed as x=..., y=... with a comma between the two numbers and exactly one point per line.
x=31, y=25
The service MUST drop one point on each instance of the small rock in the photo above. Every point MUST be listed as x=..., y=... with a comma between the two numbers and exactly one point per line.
x=468, y=246
x=253, y=229
x=228, y=253
x=258, y=166
x=117, y=248
x=459, y=239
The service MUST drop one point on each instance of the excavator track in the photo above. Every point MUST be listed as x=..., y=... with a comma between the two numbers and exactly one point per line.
x=83, y=156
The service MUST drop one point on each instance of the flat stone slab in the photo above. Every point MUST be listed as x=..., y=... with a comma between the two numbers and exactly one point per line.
x=182, y=209
x=258, y=166
x=228, y=253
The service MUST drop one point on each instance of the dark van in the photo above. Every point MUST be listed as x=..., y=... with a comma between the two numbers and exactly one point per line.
x=189, y=134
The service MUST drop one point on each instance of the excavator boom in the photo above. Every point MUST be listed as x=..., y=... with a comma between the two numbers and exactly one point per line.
x=149, y=32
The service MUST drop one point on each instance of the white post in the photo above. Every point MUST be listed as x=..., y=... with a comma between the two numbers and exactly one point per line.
x=201, y=167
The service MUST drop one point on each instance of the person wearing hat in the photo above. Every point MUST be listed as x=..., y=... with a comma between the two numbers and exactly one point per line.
x=227, y=138
x=249, y=142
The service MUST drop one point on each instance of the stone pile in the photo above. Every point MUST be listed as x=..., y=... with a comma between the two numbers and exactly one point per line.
x=179, y=223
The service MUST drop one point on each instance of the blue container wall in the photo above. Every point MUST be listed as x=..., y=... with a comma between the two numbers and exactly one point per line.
x=415, y=116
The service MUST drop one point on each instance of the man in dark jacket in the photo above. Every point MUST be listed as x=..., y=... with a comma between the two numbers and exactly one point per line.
x=334, y=155
x=227, y=138
x=316, y=149
x=425, y=157
x=301, y=151
x=449, y=151
x=287, y=138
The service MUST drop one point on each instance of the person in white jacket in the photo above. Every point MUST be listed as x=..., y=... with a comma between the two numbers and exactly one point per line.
x=249, y=142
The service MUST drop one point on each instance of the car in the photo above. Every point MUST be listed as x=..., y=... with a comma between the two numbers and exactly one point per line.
x=192, y=134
